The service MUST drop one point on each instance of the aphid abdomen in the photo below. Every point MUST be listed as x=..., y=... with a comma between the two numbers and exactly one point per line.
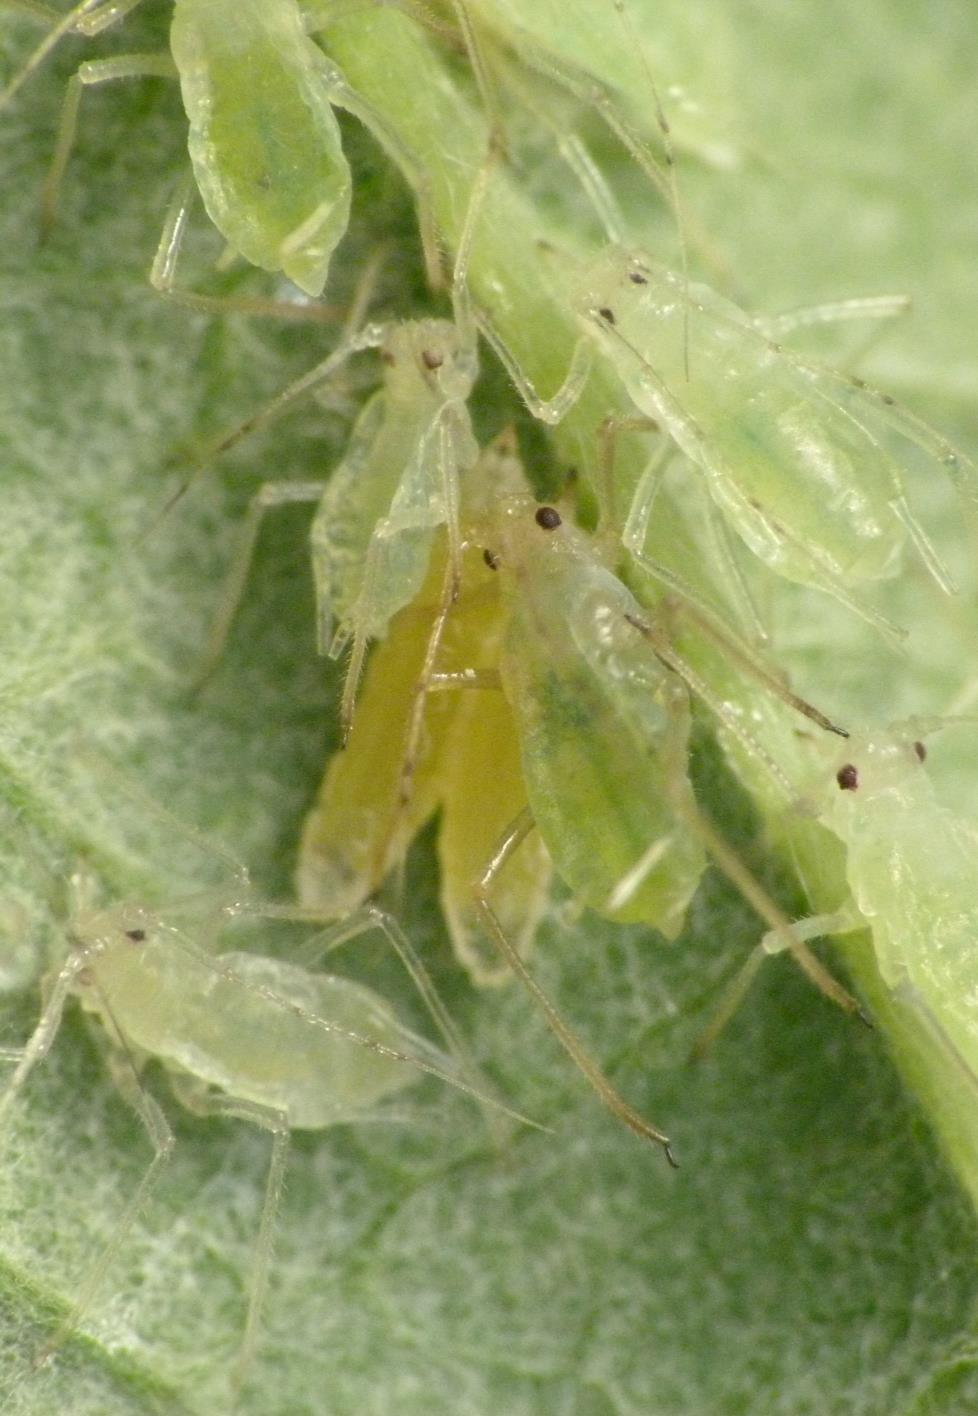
x=800, y=479
x=256, y=1028
x=264, y=141
x=602, y=739
x=805, y=486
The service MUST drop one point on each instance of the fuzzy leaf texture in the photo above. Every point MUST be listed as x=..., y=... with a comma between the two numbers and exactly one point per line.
x=815, y=1253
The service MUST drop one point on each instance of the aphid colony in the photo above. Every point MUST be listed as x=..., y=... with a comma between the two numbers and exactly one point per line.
x=550, y=651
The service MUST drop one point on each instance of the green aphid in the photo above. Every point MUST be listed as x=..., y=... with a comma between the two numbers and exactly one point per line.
x=264, y=141
x=239, y=1035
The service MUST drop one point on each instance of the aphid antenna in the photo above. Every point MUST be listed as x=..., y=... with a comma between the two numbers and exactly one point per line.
x=338, y=933
x=239, y=888
x=662, y=648
x=635, y=39
x=751, y=665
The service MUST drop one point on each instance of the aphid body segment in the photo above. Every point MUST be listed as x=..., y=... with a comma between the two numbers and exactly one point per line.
x=264, y=140
x=795, y=473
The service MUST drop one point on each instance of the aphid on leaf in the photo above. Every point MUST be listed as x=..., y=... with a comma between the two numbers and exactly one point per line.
x=240, y=1035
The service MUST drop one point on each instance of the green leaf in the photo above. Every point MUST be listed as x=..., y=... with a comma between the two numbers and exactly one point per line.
x=812, y=1254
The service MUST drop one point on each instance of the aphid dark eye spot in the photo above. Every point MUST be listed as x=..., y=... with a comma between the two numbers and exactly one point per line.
x=138, y=936
x=607, y=315
x=85, y=977
x=548, y=517
x=387, y=358
x=847, y=778
x=888, y=400
x=491, y=559
x=637, y=278
x=920, y=750
x=432, y=359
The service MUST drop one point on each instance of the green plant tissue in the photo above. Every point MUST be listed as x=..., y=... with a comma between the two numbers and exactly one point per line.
x=814, y=1253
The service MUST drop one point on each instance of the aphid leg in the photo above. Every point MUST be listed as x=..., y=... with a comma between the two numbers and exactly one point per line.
x=196, y=1100
x=157, y=1128
x=770, y=680
x=780, y=927
x=616, y=1104
x=341, y=95
x=96, y=71
x=722, y=543
x=268, y=496
x=664, y=651
x=634, y=533
x=547, y=410
x=66, y=24
x=420, y=693
x=39, y=1044
x=162, y=277
x=865, y=307
x=46, y=1030
x=103, y=16
x=961, y=470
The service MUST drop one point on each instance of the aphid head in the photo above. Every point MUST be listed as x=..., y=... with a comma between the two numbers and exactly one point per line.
x=429, y=353
x=99, y=932
x=620, y=281
x=524, y=534
x=887, y=763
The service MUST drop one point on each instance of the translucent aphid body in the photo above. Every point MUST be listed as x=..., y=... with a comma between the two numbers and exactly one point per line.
x=397, y=483
x=468, y=771
x=264, y=140
x=796, y=474
x=603, y=723
x=238, y=1023
x=240, y=1035
x=912, y=867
